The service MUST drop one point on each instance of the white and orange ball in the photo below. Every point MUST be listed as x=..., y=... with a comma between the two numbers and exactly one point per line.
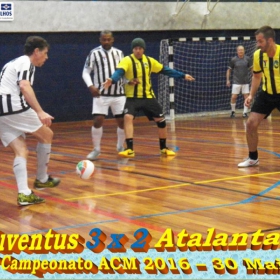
x=85, y=169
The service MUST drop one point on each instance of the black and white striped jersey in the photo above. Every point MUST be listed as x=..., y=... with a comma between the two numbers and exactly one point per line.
x=100, y=65
x=11, y=99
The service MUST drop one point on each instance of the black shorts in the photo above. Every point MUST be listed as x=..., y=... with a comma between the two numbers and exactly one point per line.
x=149, y=106
x=265, y=103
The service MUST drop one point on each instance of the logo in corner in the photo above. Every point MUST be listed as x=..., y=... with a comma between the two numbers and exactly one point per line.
x=7, y=11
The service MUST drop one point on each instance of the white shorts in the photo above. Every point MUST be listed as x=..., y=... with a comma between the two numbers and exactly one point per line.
x=101, y=105
x=243, y=88
x=13, y=126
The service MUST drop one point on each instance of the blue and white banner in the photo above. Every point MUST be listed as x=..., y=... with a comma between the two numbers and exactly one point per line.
x=6, y=11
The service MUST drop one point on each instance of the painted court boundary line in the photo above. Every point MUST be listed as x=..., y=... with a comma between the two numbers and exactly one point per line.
x=133, y=220
x=176, y=186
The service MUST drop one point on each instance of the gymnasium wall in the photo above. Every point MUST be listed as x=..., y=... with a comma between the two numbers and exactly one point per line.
x=80, y=16
x=72, y=28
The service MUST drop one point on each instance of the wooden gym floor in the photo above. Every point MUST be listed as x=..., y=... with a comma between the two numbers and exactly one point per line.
x=200, y=188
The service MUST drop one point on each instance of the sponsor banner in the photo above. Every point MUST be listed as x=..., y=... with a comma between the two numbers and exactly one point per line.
x=6, y=11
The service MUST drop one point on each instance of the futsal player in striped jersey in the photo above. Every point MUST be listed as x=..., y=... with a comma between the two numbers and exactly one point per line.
x=20, y=113
x=102, y=62
x=266, y=65
x=137, y=69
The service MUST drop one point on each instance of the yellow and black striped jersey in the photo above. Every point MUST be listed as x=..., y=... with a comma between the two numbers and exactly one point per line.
x=269, y=66
x=140, y=69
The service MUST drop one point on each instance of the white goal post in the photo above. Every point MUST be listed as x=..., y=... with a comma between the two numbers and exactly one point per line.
x=206, y=59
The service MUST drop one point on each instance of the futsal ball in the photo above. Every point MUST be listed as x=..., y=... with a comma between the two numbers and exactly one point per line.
x=85, y=169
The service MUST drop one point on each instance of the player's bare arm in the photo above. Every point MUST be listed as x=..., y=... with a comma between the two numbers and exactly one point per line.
x=30, y=97
x=256, y=81
x=228, y=76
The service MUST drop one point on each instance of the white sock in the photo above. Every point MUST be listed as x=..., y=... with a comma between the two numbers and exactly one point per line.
x=96, y=134
x=233, y=106
x=245, y=110
x=20, y=171
x=121, y=137
x=43, y=158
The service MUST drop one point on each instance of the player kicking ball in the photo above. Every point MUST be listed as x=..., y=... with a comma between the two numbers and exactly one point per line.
x=21, y=113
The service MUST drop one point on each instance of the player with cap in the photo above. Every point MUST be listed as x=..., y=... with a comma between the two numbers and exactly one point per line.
x=137, y=69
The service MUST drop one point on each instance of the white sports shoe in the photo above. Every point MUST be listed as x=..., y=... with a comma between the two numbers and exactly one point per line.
x=93, y=155
x=249, y=162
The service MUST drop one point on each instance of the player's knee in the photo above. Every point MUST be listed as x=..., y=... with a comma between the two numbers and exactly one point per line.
x=50, y=135
x=251, y=126
x=120, y=121
x=98, y=120
x=22, y=152
x=47, y=137
x=128, y=117
x=161, y=123
x=44, y=135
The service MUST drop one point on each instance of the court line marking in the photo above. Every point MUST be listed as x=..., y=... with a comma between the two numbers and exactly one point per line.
x=130, y=192
x=130, y=220
x=135, y=220
x=251, y=199
x=224, y=130
x=112, y=216
x=176, y=186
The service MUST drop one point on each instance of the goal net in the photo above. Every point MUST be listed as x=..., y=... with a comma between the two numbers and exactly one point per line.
x=206, y=59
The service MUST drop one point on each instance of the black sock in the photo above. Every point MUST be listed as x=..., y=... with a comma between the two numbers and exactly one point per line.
x=162, y=143
x=253, y=155
x=129, y=143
